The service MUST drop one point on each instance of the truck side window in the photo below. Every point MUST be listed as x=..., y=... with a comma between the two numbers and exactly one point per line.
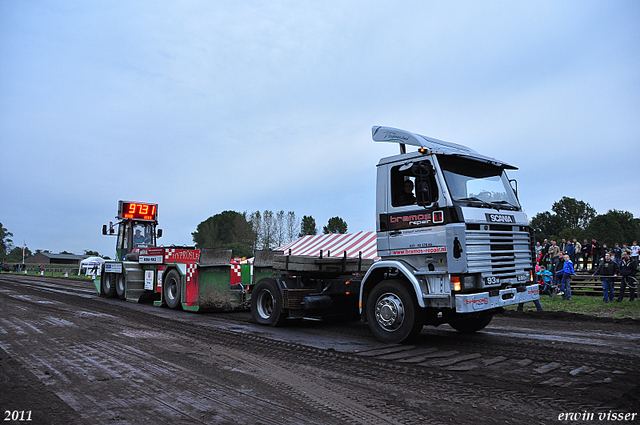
x=413, y=184
x=402, y=186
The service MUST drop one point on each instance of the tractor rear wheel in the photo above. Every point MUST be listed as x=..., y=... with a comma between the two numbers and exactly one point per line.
x=172, y=288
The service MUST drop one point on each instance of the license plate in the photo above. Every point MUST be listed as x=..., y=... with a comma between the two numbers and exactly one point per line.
x=492, y=280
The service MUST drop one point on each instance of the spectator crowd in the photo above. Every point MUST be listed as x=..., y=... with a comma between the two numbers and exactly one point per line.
x=556, y=263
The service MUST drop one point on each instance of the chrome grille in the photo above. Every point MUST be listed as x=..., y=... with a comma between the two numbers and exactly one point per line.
x=498, y=250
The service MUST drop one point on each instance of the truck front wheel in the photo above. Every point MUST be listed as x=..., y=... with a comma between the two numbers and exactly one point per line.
x=109, y=285
x=171, y=288
x=470, y=325
x=266, y=303
x=393, y=313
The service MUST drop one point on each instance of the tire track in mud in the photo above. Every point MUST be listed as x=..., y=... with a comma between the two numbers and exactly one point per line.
x=458, y=366
x=322, y=399
x=367, y=373
x=100, y=364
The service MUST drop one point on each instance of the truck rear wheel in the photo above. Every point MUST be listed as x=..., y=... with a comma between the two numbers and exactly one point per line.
x=266, y=303
x=171, y=287
x=120, y=286
x=393, y=313
x=472, y=325
x=109, y=285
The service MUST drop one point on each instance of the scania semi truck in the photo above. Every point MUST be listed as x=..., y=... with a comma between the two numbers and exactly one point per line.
x=453, y=242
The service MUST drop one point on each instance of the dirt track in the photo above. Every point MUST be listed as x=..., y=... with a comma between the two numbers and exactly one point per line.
x=69, y=356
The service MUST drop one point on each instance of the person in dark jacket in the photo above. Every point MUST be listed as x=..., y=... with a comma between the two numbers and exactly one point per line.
x=586, y=251
x=545, y=254
x=406, y=196
x=607, y=270
x=558, y=271
x=628, y=270
x=596, y=252
x=570, y=251
x=617, y=254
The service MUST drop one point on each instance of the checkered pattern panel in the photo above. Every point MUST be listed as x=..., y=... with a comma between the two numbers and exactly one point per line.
x=191, y=270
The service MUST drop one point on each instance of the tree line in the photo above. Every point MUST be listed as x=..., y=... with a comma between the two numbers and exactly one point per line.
x=241, y=232
x=245, y=232
x=570, y=218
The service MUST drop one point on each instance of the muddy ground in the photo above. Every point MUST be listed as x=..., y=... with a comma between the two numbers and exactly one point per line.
x=68, y=356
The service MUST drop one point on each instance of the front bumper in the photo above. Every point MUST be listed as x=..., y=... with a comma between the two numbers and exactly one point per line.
x=470, y=303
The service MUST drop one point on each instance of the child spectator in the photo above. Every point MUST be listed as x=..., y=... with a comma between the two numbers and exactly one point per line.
x=545, y=279
x=565, y=276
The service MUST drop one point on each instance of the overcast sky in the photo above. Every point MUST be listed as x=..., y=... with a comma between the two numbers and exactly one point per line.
x=206, y=106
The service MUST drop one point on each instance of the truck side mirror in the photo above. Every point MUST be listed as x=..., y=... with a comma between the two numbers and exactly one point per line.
x=159, y=233
x=422, y=169
x=514, y=186
x=426, y=190
x=424, y=193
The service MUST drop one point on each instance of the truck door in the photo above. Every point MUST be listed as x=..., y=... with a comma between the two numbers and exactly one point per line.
x=409, y=226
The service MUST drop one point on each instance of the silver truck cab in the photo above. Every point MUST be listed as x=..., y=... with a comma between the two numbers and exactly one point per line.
x=451, y=232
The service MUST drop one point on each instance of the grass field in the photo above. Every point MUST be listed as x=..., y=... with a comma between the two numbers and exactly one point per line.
x=589, y=305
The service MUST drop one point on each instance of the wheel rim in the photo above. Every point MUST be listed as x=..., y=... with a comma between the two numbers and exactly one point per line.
x=172, y=293
x=121, y=284
x=265, y=304
x=389, y=312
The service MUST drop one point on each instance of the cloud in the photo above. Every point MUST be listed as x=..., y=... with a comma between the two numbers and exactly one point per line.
x=203, y=107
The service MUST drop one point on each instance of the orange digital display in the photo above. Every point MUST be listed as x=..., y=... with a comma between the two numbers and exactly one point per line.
x=138, y=211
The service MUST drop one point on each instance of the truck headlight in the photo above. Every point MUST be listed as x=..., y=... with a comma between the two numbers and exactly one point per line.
x=468, y=282
x=460, y=283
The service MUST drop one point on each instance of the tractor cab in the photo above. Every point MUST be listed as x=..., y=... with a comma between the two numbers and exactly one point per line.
x=136, y=228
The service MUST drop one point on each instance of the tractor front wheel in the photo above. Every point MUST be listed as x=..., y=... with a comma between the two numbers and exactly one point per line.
x=120, y=286
x=109, y=285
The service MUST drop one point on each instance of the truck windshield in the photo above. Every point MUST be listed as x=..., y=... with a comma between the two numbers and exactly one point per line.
x=478, y=184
